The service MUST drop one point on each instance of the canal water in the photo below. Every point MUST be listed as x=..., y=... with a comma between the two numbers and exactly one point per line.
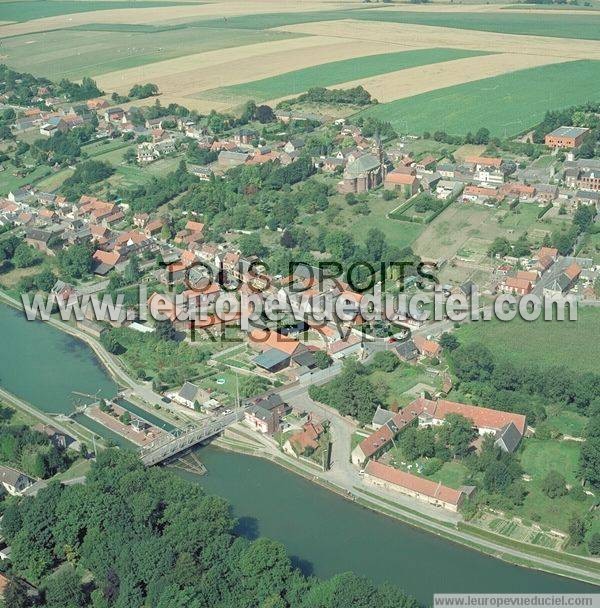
x=323, y=532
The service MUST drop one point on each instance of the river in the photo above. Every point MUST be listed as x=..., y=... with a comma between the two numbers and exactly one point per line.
x=323, y=532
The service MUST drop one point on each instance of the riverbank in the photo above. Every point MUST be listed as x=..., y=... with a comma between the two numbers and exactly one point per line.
x=464, y=534
x=497, y=547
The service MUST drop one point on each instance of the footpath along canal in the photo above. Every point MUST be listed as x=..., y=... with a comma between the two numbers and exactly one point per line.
x=323, y=532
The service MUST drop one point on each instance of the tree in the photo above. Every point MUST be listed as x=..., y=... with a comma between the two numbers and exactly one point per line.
x=132, y=271
x=459, y=434
x=472, y=362
x=589, y=461
x=76, y=261
x=165, y=330
x=15, y=595
x=45, y=280
x=594, y=544
x=449, y=342
x=25, y=256
x=110, y=342
x=500, y=247
x=63, y=590
x=323, y=359
x=250, y=386
x=385, y=361
x=554, y=484
x=287, y=240
x=125, y=418
x=264, y=114
x=130, y=156
x=250, y=244
x=576, y=529
x=482, y=136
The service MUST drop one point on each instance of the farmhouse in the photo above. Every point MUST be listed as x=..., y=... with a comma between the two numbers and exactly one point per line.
x=306, y=441
x=378, y=442
x=545, y=257
x=485, y=420
x=566, y=137
x=104, y=261
x=564, y=282
x=400, y=180
x=427, y=348
x=519, y=191
x=39, y=239
x=480, y=194
x=588, y=180
x=187, y=395
x=264, y=413
x=434, y=493
x=588, y=198
x=14, y=482
x=516, y=286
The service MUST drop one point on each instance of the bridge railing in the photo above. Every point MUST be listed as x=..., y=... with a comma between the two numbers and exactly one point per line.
x=163, y=448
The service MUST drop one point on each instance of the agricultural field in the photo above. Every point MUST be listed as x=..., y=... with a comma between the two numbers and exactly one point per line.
x=505, y=22
x=336, y=72
x=572, y=344
x=24, y=10
x=425, y=65
x=505, y=104
x=98, y=51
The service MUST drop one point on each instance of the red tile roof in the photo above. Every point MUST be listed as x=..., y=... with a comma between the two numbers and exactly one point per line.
x=110, y=258
x=425, y=487
x=482, y=417
x=485, y=161
x=573, y=271
x=427, y=347
x=400, y=178
x=266, y=339
x=518, y=284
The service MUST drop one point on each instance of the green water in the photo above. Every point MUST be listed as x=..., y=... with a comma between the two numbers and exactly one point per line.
x=324, y=533
x=145, y=415
x=44, y=366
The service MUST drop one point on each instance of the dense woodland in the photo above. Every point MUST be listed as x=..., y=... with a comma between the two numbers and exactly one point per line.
x=134, y=537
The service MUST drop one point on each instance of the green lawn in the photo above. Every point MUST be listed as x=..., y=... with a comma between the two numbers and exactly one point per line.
x=452, y=474
x=78, y=52
x=538, y=458
x=24, y=10
x=336, y=72
x=565, y=421
x=402, y=379
x=506, y=104
x=573, y=344
x=9, y=181
x=346, y=217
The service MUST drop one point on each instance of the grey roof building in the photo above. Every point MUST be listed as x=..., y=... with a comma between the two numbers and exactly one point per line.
x=508, y=438
x=381, y=417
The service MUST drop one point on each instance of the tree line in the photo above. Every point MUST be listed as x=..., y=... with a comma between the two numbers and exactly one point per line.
x=133, y=537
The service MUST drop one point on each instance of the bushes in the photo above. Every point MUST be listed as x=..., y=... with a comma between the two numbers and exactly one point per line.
x=87, y=173
x=386, y=361
x=357, y=96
